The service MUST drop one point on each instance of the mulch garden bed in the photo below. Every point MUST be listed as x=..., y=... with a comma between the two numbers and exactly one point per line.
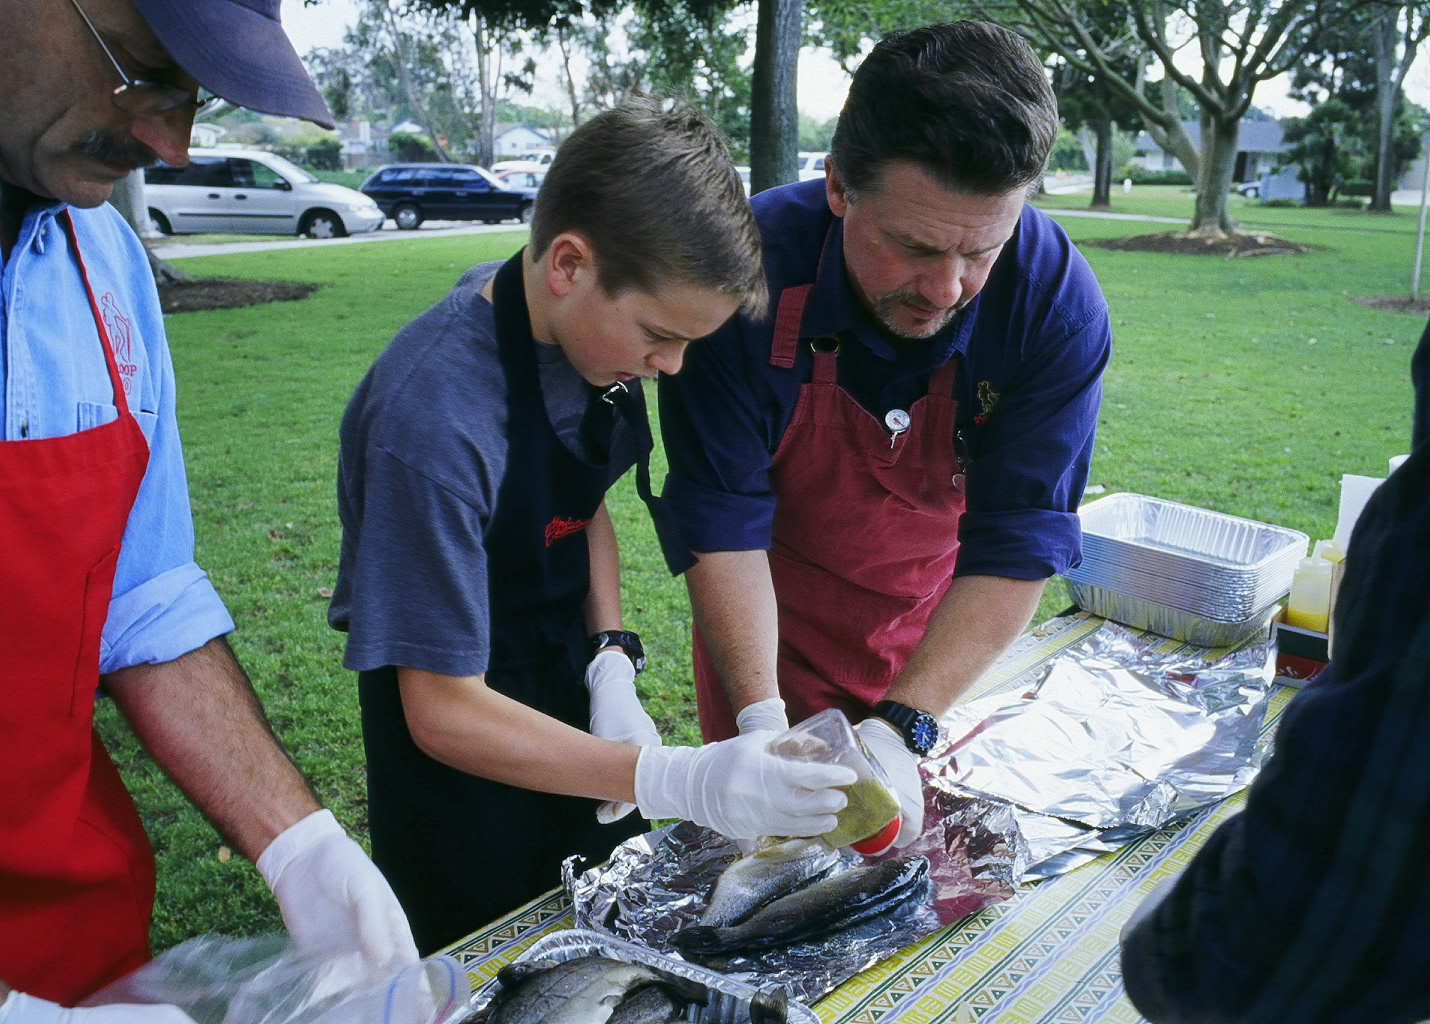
x=1396, y=303
x=1180, y=243
x=222, y=293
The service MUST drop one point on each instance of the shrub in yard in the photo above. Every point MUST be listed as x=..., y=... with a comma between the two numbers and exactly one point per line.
x=325, y=155
x=1142, y=176
x=410, y=148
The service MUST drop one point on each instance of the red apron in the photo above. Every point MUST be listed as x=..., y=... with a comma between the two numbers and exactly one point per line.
x=865, y=539
x=76, y=870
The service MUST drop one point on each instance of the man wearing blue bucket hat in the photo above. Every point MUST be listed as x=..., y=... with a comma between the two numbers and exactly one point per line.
x=100, y=588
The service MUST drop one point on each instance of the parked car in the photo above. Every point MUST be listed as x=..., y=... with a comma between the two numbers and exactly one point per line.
x=252, y=191
x=1250, y=189
x=744, y=173
x=536, y=160
x=521, y=179
x=412, y=193
x=811, y=165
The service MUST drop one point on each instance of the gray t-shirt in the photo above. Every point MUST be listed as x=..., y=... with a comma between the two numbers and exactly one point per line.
x=423, y=449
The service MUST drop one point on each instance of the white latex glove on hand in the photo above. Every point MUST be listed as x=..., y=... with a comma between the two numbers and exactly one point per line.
x=19, y=1008
x=901, y=765
x=739, y=789
x=334, y=899
x=766, y=715
x=617, y=714
x=616, y=711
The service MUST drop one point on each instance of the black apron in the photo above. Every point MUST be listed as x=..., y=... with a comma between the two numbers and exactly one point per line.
x=458, y=850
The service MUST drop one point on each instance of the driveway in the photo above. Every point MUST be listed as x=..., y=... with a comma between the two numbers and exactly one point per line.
x=431, y=229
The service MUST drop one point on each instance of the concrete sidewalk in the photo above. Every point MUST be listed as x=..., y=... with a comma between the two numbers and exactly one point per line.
x=1104, y=215
x=433, y=229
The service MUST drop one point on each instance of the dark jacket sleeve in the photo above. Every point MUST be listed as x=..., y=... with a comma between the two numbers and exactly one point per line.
x=1313, y=904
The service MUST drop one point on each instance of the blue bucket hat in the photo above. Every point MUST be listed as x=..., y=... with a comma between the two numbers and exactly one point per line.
x=237, y=49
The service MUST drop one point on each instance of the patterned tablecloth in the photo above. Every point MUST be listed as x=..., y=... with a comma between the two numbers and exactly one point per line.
x=1047, y=955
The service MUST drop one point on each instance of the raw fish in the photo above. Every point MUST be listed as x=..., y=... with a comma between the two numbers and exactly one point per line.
x=828, y=906
x=751, y=882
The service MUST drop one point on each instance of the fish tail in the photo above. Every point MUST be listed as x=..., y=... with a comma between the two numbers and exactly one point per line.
x=697, y=939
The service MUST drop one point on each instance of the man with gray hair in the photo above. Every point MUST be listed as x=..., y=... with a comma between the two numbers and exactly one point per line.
x=881, y=478
x=99, y=580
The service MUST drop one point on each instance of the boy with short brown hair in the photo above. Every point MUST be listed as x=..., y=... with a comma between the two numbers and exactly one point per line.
x=479, y=576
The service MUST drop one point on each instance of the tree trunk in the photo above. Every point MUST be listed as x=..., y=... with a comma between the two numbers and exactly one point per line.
x=774, y=115
x=1088, y=142
x=409, y=88
x=128, y=199
x=1383, y=34
x=570, y=80
x=1102, y=168
x=487, y=86
x=1170, y=134
x=1218, y=159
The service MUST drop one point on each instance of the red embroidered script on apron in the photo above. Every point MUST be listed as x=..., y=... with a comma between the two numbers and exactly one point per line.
x=563, y=527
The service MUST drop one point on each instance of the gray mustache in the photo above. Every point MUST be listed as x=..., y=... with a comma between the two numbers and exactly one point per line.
x=124, y=150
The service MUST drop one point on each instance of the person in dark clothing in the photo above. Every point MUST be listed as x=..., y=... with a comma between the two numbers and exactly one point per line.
x=479, y=579
x=1313, y=904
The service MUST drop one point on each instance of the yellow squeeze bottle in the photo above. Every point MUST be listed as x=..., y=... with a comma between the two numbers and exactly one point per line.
x=1310, y=603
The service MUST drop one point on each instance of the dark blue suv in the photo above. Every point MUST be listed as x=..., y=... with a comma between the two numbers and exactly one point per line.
x=412, y=193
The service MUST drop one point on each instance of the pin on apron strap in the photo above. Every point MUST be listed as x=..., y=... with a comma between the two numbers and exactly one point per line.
x=897, y=421
x=678, y=556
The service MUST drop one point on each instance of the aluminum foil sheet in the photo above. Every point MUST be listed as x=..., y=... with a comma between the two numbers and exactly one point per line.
x=1110, y=740
x=655, y=884
x=1188, y=559
x=730, y=999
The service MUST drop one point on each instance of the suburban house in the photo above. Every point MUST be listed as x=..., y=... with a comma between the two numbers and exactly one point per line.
x=519, y=140
x=205, y=134
x=1259, y=149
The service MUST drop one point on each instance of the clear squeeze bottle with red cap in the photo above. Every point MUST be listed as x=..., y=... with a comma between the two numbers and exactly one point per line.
x=869, y=823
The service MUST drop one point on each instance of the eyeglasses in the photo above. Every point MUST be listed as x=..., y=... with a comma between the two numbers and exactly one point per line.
x=146, y=98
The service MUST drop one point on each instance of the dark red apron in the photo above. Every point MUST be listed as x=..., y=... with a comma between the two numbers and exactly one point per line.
x=865, y=538
x=76, y=870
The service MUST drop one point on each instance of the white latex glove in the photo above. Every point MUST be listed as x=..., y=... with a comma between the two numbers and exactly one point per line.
x=617, y=714
x=741, y=790
x=334, y=899
x=19, y=1008
x=901, y=765
x=766, y=715
x=616, y=711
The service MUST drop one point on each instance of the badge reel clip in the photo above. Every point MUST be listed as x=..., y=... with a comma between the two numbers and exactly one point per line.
x=897, y=422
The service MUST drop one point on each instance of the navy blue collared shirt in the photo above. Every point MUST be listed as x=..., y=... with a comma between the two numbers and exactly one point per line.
x=1032, y=346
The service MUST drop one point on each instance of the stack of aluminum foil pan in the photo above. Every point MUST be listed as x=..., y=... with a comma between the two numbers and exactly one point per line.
x=1183, y=572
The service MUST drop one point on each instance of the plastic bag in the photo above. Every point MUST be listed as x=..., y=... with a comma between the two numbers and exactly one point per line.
x=218, y=980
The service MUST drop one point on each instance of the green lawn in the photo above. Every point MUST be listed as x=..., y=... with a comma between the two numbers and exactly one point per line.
x=1246, y=386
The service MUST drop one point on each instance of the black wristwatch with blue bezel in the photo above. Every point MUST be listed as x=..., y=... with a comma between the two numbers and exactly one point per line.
x=919, y=728
x=625, y=640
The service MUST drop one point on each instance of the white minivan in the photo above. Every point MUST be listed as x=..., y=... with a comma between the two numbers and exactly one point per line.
x=252, y=191
x=811, y=165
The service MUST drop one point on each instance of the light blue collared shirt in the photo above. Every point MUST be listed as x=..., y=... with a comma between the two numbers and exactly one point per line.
x=54, y=382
